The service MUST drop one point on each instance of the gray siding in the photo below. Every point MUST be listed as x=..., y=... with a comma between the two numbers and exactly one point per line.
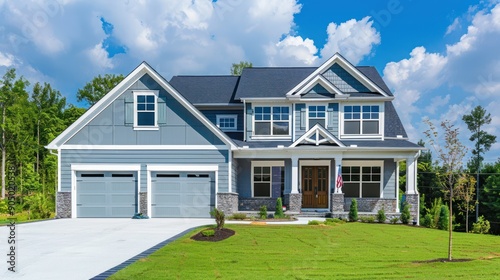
x=390, y=178
x=343, y=80
x=244, y=188
x=110, y=127
x=300, y=128
x=212, y=116
x=144, y=157
x=234, y=176
x=249, y=115
x=333, y=118
x=318, y=91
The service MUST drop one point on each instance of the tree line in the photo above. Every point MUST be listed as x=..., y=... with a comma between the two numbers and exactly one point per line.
x=30, y=118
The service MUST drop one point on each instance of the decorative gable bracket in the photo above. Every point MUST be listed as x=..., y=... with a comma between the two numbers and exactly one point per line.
x=317, y=135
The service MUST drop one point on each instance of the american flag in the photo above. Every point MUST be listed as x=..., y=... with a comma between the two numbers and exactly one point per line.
x=339, y=182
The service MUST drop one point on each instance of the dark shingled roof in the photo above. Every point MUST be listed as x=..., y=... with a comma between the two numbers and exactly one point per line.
x=371, y=73
x=206, y=89
x=393, y=125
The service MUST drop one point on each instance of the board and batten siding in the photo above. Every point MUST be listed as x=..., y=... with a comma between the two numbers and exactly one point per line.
x=178, y=126
x=144, y=157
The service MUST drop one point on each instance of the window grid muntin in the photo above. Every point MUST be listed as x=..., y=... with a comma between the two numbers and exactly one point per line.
x=146, y=109
x=362, y=115
x=273, y=120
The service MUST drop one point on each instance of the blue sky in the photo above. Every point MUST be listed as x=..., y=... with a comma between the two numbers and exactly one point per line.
x=440, y=58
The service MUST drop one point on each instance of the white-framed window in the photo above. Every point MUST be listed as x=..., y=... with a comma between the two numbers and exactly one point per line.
x=145, y=109
x=268, y=178
x=362, y=179
x=362, y=120
x=227, y=122
x=271, y=121
x=317, y=114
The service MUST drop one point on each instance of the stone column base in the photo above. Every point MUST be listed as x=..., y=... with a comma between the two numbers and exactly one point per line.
x=63, y=205
x=414, y=200
x=143, y=203
x=337, y=202
x=293, y=202
x=227, y=203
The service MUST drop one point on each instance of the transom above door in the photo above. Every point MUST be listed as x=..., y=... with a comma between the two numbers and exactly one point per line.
x=315, y=186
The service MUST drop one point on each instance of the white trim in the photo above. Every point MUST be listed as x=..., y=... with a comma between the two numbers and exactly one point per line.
x=59, y=167
x=154, y=93
x=328, y=163
x=102, y=167
x=317, y=129
x=117, y=91
x=229, y=171
x=332, y=89
x=367, y=163
x=179, y=168
x=143, y=147
x=337, y=58
x=270, y=164
x=381, y=120
x=228, y=116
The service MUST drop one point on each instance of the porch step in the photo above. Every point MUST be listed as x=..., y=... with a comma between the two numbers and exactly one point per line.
x=314, y=213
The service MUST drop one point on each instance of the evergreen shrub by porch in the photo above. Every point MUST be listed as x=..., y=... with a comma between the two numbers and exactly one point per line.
x=278, y=213
x=381, y=216
x=405, y=214
x=367, y=219
x=219, y=217
x=482, y=226
x=263, y=212
x=239, y=216
x=353, y=210
x=208, y=232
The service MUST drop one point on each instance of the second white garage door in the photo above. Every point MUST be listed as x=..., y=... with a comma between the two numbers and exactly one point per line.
x=182, y=195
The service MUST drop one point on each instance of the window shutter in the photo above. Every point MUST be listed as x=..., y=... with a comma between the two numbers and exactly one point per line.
x=129, y=110
x=330, y=117
x=162, y=110
x=302, y=118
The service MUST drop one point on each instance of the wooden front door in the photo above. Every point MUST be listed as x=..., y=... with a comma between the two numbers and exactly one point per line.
x=315, y=187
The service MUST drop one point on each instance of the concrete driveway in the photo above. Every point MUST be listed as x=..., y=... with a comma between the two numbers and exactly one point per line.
x=83, y=248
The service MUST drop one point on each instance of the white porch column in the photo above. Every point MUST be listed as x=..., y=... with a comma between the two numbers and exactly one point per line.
x=295, y=175
x=338, y=164
x=411, y=175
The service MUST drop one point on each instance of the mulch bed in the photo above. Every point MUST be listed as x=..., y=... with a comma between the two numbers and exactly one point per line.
x=219, y=235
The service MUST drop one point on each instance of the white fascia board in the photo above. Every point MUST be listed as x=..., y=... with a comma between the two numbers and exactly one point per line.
x=319, y=152
x=143, y=147
x=366, y=98
x=337, y=58
x=105, y=167
x=182, y=167
x=264, y=100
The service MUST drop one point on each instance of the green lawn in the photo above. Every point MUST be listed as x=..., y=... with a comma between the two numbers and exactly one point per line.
x=342, y=251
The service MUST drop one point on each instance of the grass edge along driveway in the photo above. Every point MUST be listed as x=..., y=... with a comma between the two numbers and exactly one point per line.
x=341, y=251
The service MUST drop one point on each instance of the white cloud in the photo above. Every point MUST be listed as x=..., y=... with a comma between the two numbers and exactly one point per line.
x=453, y=26
x=437, y=102
x=293, y=51
x=6, y=59
x=99, y=57
x=353, y=39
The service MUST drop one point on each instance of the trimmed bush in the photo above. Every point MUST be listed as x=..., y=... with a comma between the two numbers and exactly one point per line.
x=367, y=219
x=219, y=217
x=353, y=210
x=330, y=221
x=482, y=226
x=381, y=216
x=444, y=215
x=313, y=222
x=239, y=216
x=278, y=213
x=405, y=214
x=263, y=212
x=394, y=220
x=208, y=232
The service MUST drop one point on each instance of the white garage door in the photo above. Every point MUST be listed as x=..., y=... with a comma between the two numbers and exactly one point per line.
x=106, y=194
x=184, y=194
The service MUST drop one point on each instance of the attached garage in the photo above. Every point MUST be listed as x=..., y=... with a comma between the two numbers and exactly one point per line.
x=182, y=194
x=102, y=194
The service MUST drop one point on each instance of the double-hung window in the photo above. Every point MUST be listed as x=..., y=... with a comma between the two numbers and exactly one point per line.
x=317, y=115
x=361, y=119
x=268, y=178
x=145, y=103
x=272, y=121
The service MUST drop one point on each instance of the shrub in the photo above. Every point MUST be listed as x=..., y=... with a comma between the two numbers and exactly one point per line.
x=313, y=222
x=381, y=216
x=353, y=211
x=278, y=213
x=219, y=217
x=482, y=226
x=208, y=232
x=367, y=219
x=394, y=220
x=444, y=215
x=263, y=212
x=239, y=216
x=428, y=220
x=330, y=221
x=405, y=214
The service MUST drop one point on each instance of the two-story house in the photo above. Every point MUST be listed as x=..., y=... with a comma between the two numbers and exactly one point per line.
x=315, y=136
